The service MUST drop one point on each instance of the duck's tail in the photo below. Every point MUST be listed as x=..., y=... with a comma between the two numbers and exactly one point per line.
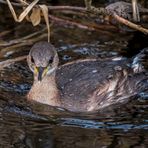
x=140, y=61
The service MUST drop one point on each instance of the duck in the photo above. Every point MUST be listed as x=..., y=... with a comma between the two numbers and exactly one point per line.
x=84, y=85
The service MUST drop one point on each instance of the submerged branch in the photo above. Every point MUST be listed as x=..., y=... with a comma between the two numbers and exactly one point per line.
x=28, y=42
x=68, y=22
x=23, y=39
x=8, y=62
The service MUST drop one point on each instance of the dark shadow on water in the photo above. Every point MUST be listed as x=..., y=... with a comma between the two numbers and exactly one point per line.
x=136, y=44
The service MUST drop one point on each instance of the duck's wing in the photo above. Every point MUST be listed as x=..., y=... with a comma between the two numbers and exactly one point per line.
x=80, y=79
x=140, y=61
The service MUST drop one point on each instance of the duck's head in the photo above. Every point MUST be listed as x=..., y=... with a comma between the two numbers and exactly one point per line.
x=42, y=60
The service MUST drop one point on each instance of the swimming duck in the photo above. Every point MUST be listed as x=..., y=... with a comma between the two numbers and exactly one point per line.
x=82, y=85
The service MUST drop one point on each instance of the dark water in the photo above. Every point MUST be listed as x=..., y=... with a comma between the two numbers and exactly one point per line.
x=23, y=124
x=32, y=125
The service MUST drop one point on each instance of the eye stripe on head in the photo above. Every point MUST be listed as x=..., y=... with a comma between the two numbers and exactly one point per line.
x=32, y=59
x=51, y=60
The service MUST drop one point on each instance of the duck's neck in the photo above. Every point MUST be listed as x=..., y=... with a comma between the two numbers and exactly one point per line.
x=45, y=91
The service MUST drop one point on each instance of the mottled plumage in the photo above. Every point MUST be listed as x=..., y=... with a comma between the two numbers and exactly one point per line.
x=82, y=85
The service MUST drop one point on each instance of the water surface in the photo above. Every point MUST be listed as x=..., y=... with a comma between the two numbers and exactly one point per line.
x=32, y=125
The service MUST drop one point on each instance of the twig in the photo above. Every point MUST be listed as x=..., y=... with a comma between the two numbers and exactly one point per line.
x=68, y=22
x=50, y=7
x=100, y=28
x=90, y=8
x=78, y=13
x=23, y=39
x=5, y=33
x=130, y=24
x=67, y=8
x=23, y=2
x=8, y=62
x=115, y=16
x=24, y=13
x=88, y=4
x=136, y=14
x=27, y=43
x=13, y=3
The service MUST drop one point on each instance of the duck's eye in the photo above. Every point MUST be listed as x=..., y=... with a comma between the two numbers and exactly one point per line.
x=50, y=60
x=32, y=60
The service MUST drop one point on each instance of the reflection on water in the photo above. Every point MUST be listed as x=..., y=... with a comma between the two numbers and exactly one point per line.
x=32, y=125
x=64, y=130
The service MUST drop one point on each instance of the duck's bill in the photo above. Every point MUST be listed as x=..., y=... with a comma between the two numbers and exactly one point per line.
x=43, y=71
x=40, y=73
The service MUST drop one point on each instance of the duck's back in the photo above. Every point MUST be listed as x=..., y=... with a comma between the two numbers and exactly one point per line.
x=87, y=84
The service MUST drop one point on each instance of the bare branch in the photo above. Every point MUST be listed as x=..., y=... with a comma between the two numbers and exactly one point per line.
x=88, y=4
x=8, y=62
x=68, y=22
x=26, y=43
x=23, y=39
x=91, y=9
x=130, y=24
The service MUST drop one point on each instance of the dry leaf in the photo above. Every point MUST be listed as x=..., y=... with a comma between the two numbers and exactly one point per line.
x=35, y=19
x=44, y=9
x=27, y=10
x=28, y=18
x=24, y=13
x=35, y=16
